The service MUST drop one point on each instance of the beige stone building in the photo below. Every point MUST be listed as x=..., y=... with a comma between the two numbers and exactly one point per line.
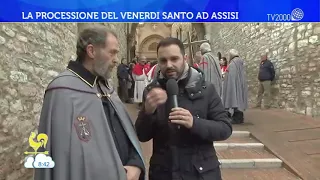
x=148, y=36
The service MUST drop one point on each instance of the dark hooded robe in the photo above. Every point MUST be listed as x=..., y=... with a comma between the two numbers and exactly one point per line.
x=91, y=136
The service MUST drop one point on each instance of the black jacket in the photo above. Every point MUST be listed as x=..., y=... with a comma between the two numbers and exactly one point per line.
x=123, y=71
x=183, y=153
x=266, y=72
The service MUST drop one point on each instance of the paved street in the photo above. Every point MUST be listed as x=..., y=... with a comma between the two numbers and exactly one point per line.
x=294, y=138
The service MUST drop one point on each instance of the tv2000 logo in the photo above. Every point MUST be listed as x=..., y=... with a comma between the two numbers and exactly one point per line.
x=296, y=15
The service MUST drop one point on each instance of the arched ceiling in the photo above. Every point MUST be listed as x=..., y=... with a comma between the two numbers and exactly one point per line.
x=146, y=42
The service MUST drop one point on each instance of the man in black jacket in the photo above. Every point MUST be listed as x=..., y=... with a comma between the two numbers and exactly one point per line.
x=265, y=77
x=182, y=137
x=123, y=77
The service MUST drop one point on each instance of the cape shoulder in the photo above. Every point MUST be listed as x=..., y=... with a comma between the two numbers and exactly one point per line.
x=209, y=55
x=206, y=55
x=62, y=80
x=68, y=80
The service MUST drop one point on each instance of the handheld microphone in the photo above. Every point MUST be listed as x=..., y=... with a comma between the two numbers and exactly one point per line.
x=172, y=91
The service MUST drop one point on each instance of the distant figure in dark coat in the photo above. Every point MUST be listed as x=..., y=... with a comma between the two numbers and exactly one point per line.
x=123, y=78
x=265, y=77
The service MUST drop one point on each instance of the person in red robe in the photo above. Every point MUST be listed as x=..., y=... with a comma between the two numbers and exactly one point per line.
x=138, y=69
x=140, y=77
x=223, y=66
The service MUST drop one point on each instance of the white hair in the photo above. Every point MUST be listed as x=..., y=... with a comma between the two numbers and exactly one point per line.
x=233, y=52
x=205, y=47
x=264, y=54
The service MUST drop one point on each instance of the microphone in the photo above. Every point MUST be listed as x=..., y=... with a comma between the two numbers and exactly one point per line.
x=172, y=91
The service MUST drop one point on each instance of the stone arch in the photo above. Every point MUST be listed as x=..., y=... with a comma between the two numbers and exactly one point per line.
x=153, y=46
x=148, y=46
x=149, y=40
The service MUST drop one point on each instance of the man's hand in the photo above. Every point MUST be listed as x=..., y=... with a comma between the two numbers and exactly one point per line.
x=182, y=117
x=155, y=97
x=133, y=173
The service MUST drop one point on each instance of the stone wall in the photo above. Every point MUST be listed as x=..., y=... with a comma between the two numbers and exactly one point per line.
x=294, y=50
x=31, y=55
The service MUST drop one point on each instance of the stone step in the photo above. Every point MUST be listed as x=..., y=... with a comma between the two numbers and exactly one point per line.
x=240, y=139
x=240, y=134
x=244, y=153
x=250, y=163
x=254, y=174
x=224, y=146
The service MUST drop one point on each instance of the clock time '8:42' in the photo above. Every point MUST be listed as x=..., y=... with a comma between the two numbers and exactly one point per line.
x=43, y=164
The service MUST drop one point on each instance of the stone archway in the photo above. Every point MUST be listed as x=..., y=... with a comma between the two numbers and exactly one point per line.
x=198, y=32
x=153, y=46
x=148, y=46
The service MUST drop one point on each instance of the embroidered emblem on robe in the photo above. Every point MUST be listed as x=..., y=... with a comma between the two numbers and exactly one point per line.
x=83, y=130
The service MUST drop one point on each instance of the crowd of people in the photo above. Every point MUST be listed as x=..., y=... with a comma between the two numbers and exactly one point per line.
x=139, y=73
x=133, y=77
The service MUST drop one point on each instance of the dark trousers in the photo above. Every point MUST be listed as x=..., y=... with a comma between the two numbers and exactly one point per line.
x=131, y=90
x=237, y=117
x=123, y=90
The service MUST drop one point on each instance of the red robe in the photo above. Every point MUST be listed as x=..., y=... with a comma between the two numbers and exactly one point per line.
x=227, y=69
x=224, y=68
x=138, y=69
